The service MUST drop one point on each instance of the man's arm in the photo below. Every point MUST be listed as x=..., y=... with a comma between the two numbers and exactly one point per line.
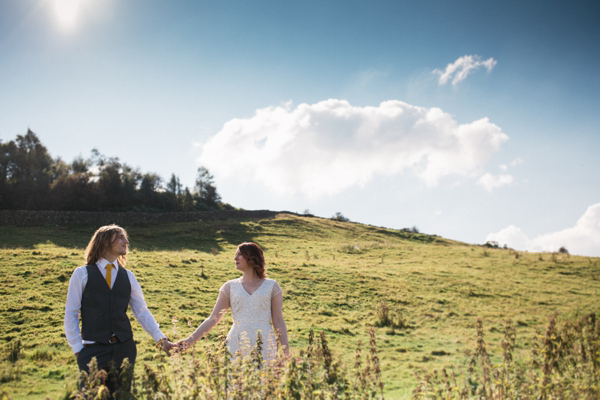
x=143, y=315
x=72, y=308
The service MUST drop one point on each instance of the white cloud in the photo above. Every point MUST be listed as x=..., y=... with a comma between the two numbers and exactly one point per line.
x=582, y=239
x=516, y=162
x=324, y=148
x=491, y=182
x=512, y=237
x=462, y=67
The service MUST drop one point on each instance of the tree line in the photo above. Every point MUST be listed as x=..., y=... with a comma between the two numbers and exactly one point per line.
x=31, y=179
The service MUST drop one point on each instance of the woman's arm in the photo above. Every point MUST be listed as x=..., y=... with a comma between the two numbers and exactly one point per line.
x=278, y=321
x=221, y=307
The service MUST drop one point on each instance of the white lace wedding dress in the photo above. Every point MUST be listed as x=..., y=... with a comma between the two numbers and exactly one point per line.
x=251, y=314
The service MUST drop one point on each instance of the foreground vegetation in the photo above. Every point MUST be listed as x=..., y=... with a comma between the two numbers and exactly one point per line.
x=212, y=374
x=565, y=364
x=421, y=295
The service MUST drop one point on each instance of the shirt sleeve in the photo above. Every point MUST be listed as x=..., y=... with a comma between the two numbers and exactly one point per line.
x=276, y=290
x=73, y=307
x=225, y=289
x=140, y=310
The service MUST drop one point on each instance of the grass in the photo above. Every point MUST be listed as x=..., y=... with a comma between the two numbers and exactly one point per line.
x=334, y=275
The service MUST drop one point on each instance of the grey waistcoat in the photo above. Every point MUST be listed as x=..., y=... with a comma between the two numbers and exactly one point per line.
x=104, y=311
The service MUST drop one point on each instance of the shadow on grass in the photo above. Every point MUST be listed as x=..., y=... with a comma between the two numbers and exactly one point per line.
x=208, y=237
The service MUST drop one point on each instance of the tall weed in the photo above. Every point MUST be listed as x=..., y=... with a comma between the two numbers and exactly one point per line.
x=12, y=370
x=212, y=373
x=564, y=364
x=395, y=319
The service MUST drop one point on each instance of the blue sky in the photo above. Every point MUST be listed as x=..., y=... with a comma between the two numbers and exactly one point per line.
x=330, y=105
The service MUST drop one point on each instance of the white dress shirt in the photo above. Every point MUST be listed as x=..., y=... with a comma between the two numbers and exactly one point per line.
x=136, y=302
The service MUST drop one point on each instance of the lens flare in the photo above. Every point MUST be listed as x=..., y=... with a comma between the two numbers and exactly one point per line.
x=67, y=12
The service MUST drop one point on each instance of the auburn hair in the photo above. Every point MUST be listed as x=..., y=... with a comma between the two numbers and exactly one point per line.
x=255, y=257
x=101, y=242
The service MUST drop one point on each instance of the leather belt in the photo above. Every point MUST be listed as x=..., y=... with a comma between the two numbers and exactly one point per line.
x=112, y=340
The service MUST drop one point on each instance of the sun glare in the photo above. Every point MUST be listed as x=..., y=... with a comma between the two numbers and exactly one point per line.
x=67, y=12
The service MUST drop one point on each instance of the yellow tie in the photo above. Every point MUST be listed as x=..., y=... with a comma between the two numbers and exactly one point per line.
x=109, y=268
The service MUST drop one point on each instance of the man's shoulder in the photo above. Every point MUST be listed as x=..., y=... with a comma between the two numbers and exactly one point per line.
x=80, y=270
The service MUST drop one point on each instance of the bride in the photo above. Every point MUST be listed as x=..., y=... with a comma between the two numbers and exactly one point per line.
x=255, y=302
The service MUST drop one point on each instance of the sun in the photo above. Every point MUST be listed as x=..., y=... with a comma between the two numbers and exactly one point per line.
x=67, y=12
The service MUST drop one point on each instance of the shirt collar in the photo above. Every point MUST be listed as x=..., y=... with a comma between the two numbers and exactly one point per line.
x=102, y=263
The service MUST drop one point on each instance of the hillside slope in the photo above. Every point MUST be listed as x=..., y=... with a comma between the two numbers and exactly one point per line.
x=334, y=274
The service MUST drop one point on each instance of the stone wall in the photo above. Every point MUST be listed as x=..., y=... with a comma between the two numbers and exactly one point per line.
x=40, y=218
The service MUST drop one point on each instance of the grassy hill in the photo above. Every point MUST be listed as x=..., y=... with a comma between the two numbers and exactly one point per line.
x=334, y=275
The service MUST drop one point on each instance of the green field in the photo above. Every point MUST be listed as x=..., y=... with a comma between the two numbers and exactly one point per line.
x=333, y=275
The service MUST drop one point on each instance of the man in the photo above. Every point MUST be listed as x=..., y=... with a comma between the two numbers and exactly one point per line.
x=101, y=291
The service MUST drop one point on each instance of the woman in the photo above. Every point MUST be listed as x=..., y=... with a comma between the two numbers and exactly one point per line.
x=255, y=301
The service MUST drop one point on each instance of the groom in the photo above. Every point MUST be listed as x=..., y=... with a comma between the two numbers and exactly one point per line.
x=101, y=291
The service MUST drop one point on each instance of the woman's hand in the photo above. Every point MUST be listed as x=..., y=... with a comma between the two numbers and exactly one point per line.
x=185, y=344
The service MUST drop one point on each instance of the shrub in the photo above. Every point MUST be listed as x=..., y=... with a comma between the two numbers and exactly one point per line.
x=12, y=370
x=563, y=250
x=383, y=314
x=13, y=351
x=414, y=229
x=338, y=216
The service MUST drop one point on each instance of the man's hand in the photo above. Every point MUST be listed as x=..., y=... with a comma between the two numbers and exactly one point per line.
x=165, y=345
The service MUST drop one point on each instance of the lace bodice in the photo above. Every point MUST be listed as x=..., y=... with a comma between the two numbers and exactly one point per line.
x=251, y=313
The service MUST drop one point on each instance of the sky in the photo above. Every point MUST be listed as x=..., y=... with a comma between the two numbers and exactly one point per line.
x=472, y=120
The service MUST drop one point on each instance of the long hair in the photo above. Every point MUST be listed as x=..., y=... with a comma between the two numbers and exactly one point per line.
x=101, y=242
x=254, y=255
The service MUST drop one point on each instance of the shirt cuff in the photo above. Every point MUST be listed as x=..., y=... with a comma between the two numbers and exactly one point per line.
x=158, y=336
x=77, y=348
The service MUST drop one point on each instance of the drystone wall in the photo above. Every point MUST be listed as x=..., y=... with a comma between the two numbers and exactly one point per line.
x=41, y=218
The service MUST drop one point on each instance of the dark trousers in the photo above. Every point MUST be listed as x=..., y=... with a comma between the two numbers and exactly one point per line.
x=105, y=353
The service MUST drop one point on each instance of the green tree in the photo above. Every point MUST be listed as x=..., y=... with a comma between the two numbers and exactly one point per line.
x=110, y=186
x=79, y=165
x=151, y=193
x=205, y=190
x=174, y=185
x=75, y=192
x=174, y=193
x=26, y=172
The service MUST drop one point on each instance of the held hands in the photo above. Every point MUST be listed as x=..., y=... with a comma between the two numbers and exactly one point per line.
x=168, y=346
x=184, y=344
